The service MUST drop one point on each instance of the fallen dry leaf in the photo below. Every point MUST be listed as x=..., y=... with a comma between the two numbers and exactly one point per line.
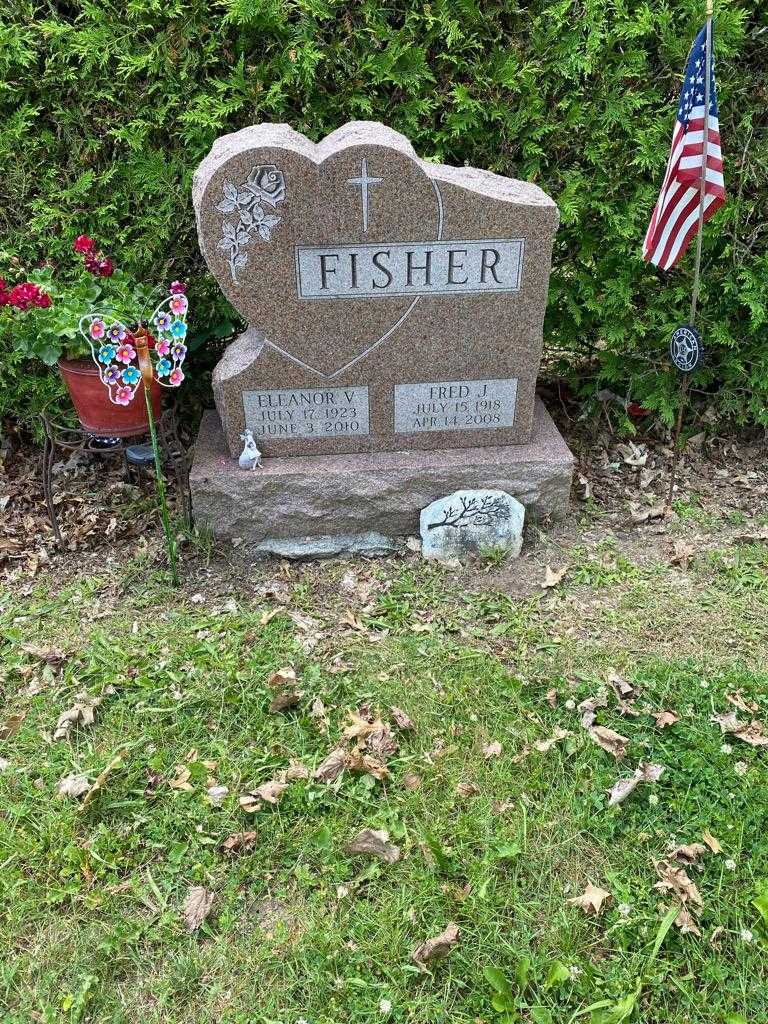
x=238, y=841
x=751, y=733
x=553, y=576
x=181, y=780
x=686, y=923
x=711, y=842
x=688, y=853
x=643, y=773
x=591, y=900
x=382, y=742
x=412, y=781
x=295, y=771
x=467, y=789
x=623, y=689
x=541, y=745
x=357, y=761
x=402, y=721
x=53, y=656
x=552, y=697
x=375, y=843
x=11, y=725
x=664, y=719
x=588, y=707
x=331, y=768
x=270, y=791
x=645, y=515
x=492, y=750
x=283, y=678
x=609, y=740
x=437, y=948
x=673, y=878
x=73, y=786
x=197, y=906
x=283, y=701
x=739, y=702
x=682, y=554
x=101, y=781
x=81, y=713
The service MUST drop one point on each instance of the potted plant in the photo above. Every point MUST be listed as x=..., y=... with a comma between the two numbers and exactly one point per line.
x=43, y=315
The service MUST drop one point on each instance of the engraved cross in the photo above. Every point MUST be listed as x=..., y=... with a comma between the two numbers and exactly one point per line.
x=363, y=183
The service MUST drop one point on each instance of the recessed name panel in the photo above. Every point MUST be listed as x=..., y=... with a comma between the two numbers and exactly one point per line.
x=307, y=412
x=455, y=405
x=409, y=268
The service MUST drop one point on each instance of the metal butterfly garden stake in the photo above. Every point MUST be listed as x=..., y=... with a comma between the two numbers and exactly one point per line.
x=126, y=357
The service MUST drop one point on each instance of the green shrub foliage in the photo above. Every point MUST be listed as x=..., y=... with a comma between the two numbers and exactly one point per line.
x=107, y=107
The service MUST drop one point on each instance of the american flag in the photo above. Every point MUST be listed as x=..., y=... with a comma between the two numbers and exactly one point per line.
x=675, y=217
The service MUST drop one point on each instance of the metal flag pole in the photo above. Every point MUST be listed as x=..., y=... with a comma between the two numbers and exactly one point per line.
x=699, y=236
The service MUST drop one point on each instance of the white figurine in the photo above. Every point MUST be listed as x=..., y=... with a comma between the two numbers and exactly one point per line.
x=250, y=457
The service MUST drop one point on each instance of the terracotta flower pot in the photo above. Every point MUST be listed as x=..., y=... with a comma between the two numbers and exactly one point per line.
x=96, y=413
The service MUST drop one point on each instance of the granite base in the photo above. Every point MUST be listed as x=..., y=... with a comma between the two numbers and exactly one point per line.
x=331, y=505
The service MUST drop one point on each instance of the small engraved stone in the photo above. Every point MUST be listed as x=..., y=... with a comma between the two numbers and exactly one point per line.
x=472, y=522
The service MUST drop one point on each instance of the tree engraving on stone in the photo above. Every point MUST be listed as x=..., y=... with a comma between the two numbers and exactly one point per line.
x=264, y=187
x=484, y=512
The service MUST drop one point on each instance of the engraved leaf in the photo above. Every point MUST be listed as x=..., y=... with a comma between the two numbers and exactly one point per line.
x=242, y=237
x=230, y=191
x=225, y=206
x=226, y=244
x=246, y=217
x=258, y=214
x=228, y=229
x=271, y=220
x=244, y=197
x=264, y=231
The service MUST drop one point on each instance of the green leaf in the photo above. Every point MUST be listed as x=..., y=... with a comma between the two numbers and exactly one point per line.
x=497, y=980
x=522, y=971
x=557, y=974
x=541, y=1015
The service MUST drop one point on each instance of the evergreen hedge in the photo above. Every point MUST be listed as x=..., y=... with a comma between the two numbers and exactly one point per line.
x=107, y=107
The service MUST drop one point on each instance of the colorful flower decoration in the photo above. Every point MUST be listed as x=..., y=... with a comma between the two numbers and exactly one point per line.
x=125, y=353
x=115, y=347
x=116, y=333
x=106, y=353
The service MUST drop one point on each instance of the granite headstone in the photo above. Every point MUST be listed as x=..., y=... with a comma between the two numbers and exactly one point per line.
x=393, y=304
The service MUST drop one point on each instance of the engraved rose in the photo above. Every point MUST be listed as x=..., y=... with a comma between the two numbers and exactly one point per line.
x=264, y=186
x=267, y=183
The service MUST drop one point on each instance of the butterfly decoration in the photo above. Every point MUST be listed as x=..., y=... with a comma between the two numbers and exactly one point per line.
x=114, y=347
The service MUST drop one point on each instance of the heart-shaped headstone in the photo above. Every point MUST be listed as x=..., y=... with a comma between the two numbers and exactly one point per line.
x=393, y=303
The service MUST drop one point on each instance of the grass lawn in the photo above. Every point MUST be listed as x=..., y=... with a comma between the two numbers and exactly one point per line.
x=494, y=841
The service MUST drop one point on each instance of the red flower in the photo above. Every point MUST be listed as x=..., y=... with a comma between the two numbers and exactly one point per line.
x=43, y=300
x=5, y=297
x=106, y=267
x=177, y=288
x=84, y=244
